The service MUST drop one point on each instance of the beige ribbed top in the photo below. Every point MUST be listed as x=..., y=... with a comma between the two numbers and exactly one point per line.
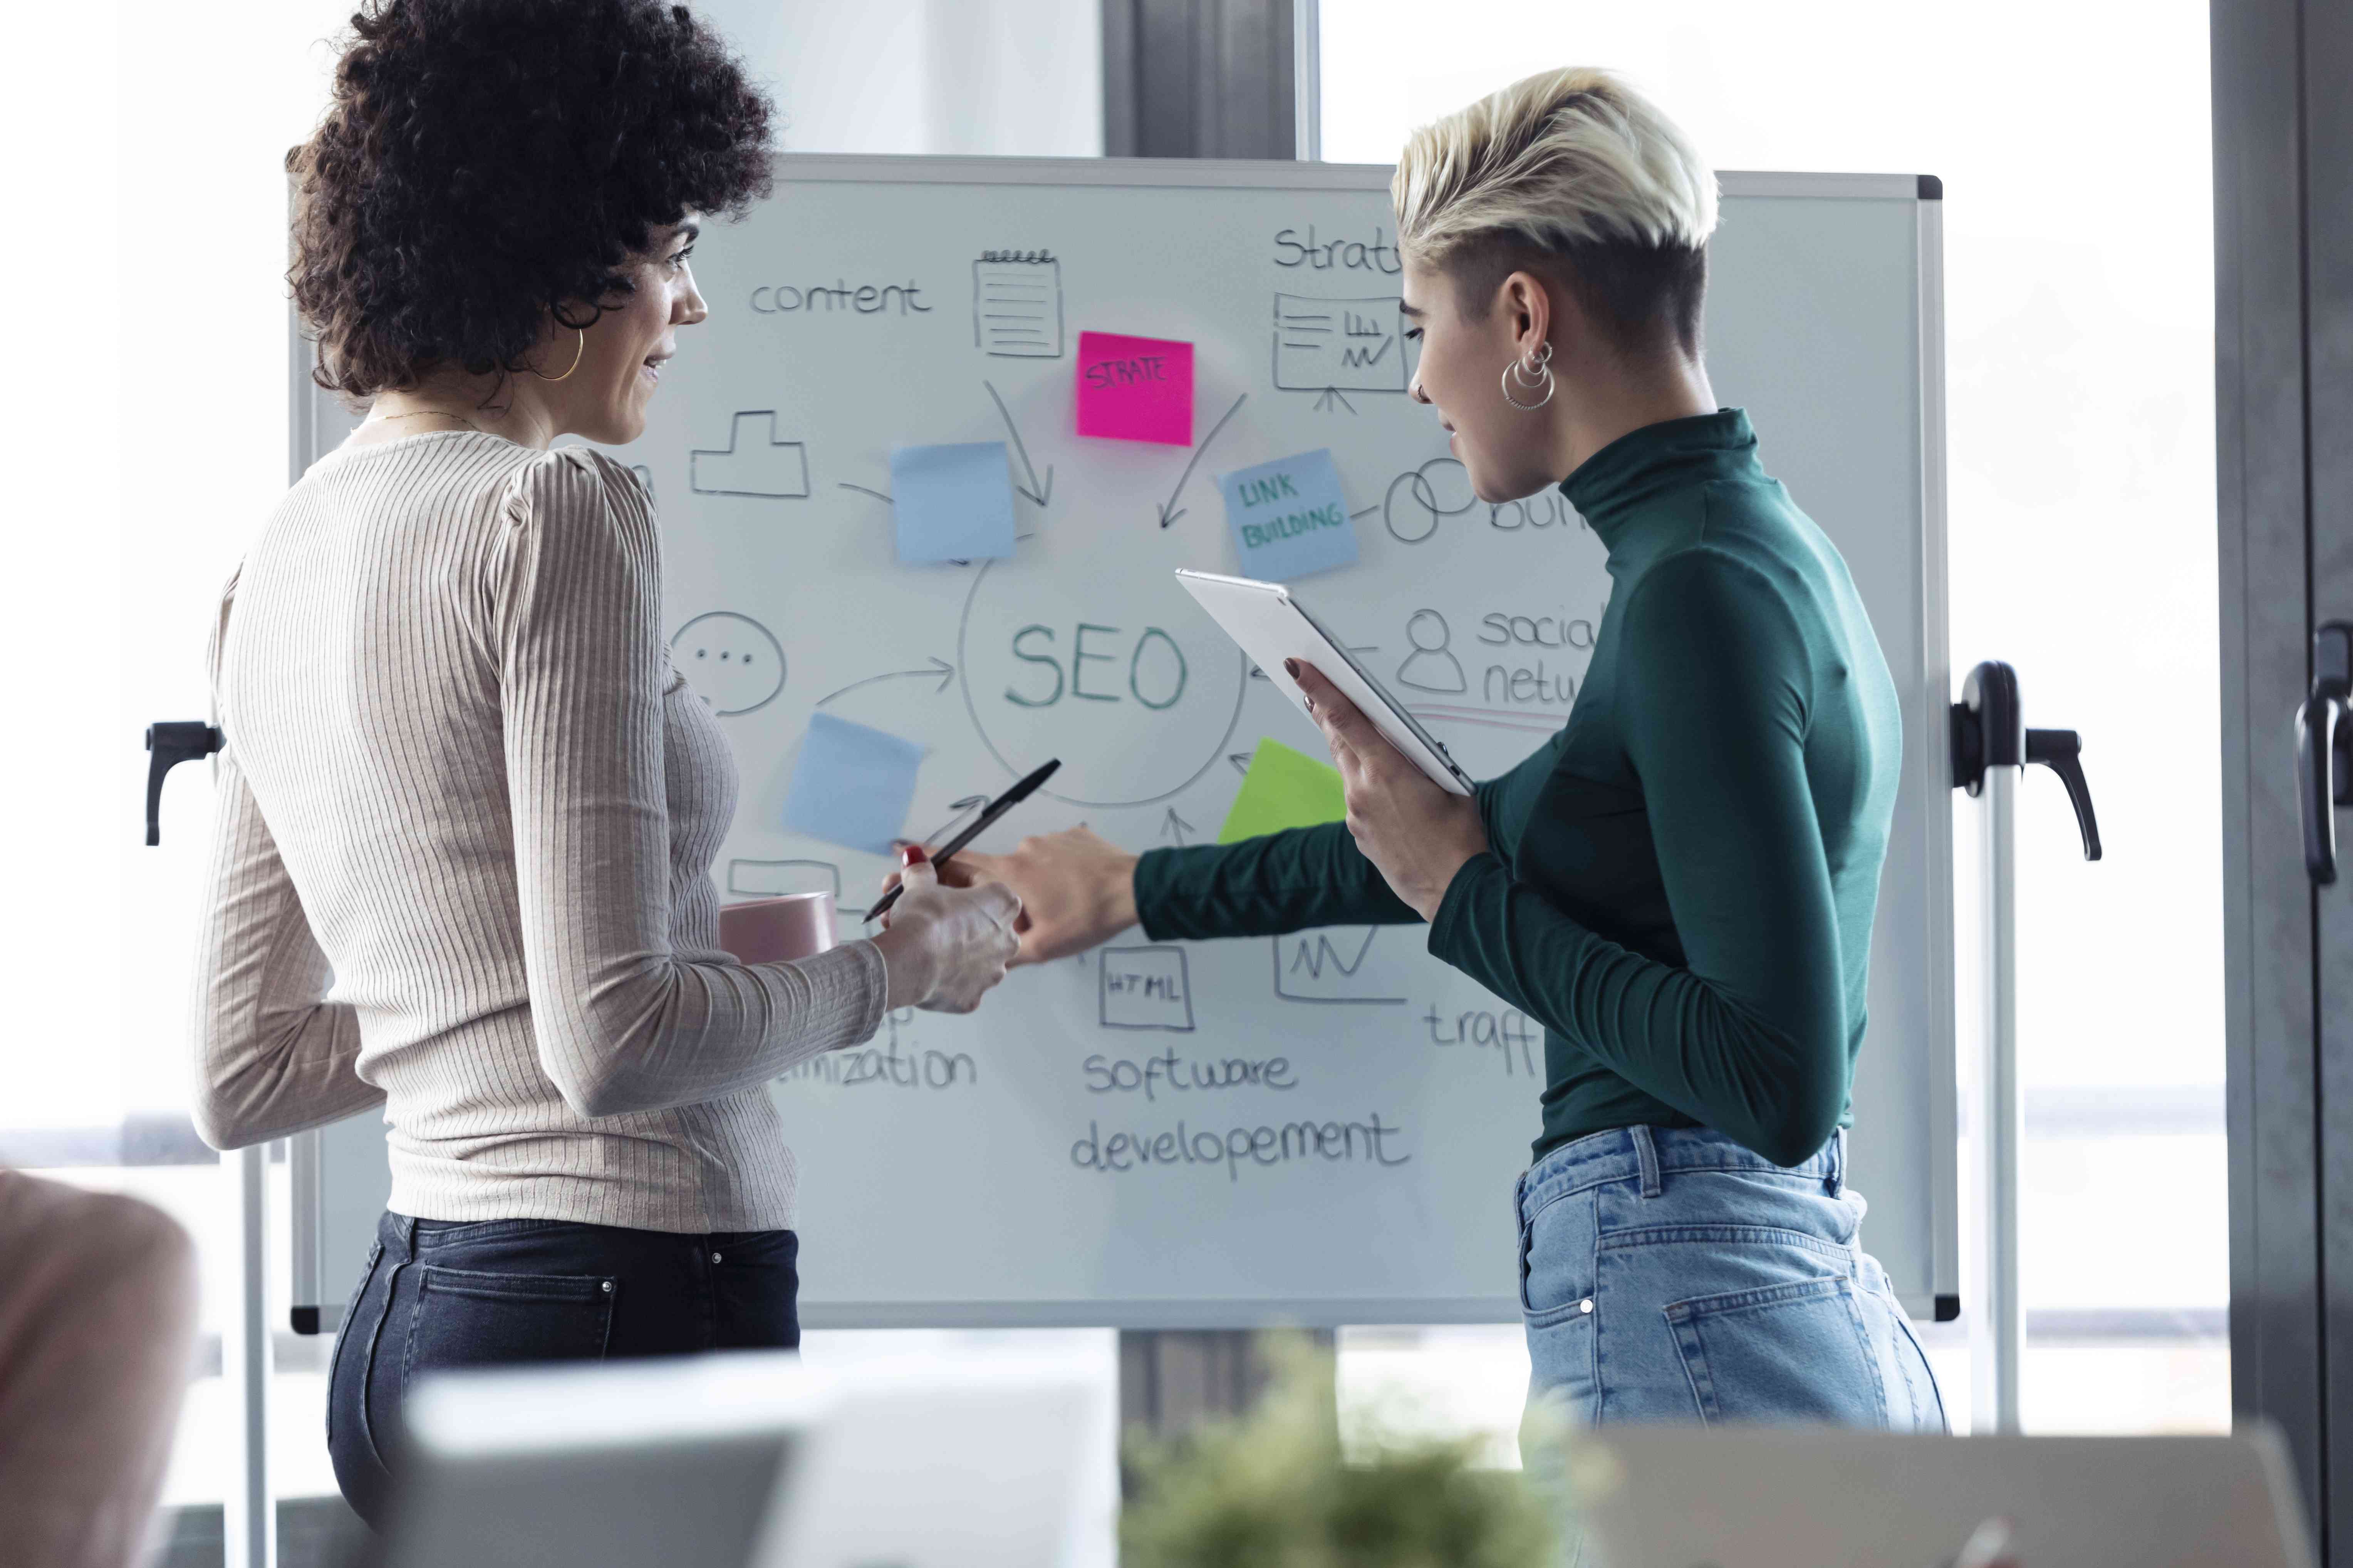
x=462, y=860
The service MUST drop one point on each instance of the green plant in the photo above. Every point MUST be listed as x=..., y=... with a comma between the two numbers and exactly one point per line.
x=1275, y=1490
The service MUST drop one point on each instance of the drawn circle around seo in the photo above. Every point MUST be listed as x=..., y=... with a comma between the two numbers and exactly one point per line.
x=1419, y=498
x=1138, y=693
x=733, y=662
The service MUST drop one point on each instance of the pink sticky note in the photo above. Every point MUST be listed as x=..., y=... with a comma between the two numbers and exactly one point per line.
x=1135, y=389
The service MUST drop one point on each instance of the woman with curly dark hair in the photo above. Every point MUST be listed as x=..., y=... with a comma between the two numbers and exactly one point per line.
x=468, y=809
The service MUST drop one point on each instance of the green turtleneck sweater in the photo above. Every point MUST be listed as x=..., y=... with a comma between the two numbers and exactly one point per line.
x=1679, y=885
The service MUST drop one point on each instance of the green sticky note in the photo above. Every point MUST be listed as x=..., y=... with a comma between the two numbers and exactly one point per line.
x=1282, y=789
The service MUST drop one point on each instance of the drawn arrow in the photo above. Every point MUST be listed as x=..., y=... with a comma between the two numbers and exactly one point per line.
x=1034, y=491
x=1175, y=827
x=940, y=667
x=1169, y=516
x=1242, y=761
x=1332, y=396
x=862, y=490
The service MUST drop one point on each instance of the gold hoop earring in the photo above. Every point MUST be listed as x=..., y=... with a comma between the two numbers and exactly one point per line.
x=577, y=355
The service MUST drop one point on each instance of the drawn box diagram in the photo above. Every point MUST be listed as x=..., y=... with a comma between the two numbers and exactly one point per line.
x=1145, y=988
x=1017, y=306
x=1311, y=966
x=1352, y=345
x=753, y=463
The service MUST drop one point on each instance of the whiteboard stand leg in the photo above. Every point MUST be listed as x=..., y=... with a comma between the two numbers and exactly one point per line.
x=305, y=1183
x=1992, y=748
x=2003, y=1114
x=248, y=1519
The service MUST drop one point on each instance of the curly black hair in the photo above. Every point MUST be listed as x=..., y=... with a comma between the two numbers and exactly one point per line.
x=484, y=164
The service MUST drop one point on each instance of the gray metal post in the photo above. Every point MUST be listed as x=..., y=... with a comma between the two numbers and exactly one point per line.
x=1224, y=80
x=2003, y=1116
x=248, y=1519
x=1307, y=80
x=1992, y=748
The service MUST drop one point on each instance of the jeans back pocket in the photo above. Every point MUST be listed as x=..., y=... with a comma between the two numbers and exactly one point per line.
x=463, y=1317
x=1798, y=1351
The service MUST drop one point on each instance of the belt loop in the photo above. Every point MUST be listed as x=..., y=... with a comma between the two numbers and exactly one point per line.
x=1646, y=1156
x=1836, y=1179
x=406, y=1225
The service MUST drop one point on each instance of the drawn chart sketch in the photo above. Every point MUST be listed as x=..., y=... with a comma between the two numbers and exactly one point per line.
x=733, y=662
x=755, y=462
x=1016, y=305
x=1145, y=988
x=774, y=879
x=1338, y=345
x=1336, y=966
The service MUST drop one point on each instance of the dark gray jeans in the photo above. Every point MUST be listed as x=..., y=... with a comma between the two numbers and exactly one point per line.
x=439, y=1294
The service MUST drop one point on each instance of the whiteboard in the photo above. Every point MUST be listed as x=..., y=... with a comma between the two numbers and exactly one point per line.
x=964, y=1171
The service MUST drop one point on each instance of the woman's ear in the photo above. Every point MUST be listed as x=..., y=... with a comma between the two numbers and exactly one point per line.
x=1530, y=305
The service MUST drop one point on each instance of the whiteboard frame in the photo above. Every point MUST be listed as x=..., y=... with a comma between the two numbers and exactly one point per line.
x=1929, y=731
x=1937, y=668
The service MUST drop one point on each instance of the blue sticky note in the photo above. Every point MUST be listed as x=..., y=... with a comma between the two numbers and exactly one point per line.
x=1289, y=517
x=954, y=503
x=852, y=785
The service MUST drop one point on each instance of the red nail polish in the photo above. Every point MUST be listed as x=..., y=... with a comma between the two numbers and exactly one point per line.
x=1290, y=667
x=912, y=854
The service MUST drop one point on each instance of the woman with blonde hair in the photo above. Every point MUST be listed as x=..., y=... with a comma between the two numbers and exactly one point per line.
x=1680, y=884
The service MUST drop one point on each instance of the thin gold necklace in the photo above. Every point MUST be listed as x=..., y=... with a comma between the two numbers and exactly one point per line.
x=430, y=413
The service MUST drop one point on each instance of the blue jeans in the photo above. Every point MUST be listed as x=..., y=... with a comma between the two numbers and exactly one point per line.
x=439, y=1294
x=1668, y=1274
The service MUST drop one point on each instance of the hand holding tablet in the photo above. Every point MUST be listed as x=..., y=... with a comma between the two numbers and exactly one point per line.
x=1272, y=627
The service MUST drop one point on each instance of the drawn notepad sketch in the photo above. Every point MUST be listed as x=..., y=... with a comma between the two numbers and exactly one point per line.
x=1349, y=345
x=1017, y=307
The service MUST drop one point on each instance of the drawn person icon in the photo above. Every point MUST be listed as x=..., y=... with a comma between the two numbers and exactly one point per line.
x=1430, y=667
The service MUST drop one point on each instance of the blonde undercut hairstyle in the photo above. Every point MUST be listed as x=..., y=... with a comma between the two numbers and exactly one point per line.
x=1574, y=174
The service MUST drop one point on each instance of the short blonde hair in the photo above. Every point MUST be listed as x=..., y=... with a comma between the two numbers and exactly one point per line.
x=1572, y=163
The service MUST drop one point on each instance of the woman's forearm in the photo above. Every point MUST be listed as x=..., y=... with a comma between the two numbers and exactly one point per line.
x=1287, y=882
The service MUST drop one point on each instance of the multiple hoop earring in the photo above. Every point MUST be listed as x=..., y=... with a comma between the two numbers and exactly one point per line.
x=1528, y=375
x=580, y=352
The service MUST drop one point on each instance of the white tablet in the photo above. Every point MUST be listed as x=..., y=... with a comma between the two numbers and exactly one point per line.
x=1270, y=625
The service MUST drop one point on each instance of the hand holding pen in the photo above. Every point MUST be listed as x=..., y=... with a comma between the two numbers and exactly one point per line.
x=948, y=946
x=944, y=948
x=979, y=825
